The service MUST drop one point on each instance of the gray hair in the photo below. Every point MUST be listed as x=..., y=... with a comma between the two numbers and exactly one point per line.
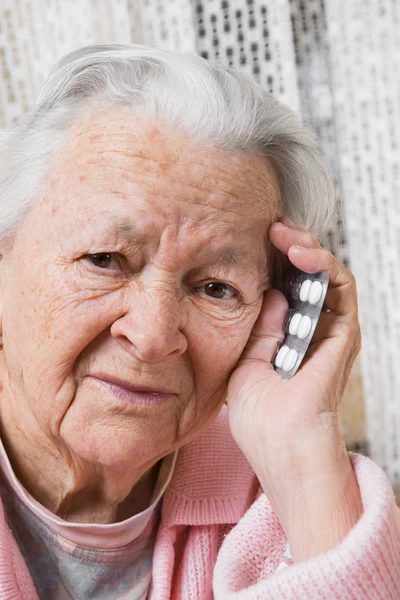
x=213, y=104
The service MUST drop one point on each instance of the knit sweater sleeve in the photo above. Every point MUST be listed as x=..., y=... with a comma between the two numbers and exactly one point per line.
x=364, y=566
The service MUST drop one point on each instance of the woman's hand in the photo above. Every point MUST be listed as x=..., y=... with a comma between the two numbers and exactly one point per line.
x=288, y=429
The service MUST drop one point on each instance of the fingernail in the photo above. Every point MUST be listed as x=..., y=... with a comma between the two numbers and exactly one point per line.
x=289, y=223
x=286, y=219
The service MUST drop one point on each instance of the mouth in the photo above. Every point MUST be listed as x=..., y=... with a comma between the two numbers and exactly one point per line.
x=133, y=393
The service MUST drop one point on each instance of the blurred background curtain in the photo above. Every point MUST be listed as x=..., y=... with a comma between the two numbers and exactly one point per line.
x=334, y=61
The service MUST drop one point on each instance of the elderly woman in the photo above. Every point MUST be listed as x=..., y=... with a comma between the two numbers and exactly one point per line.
x=146, y=204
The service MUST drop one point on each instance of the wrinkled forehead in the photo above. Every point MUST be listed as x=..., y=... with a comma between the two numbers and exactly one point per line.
x=129, y=156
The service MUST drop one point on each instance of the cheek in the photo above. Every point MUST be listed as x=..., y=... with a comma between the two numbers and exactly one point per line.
x=55, y=325
x=215, y=348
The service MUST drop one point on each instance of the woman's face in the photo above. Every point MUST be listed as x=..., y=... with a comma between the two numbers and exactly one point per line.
x=168, y=303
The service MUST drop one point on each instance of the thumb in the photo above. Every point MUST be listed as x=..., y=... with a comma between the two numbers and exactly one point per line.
x=268, y=330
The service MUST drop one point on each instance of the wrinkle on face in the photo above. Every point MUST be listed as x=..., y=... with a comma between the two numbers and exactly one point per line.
x=180, y=214
x=161, y=157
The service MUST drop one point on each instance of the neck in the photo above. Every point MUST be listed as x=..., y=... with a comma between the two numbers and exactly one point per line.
x=89, y=504
x=74, y=491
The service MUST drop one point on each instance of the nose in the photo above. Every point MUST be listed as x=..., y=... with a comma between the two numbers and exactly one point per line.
x=151, y=329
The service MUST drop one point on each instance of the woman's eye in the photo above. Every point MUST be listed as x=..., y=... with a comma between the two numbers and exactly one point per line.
x=218, y=290
x=105, y=260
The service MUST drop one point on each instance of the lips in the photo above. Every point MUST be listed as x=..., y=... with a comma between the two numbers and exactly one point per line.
x=133, y=387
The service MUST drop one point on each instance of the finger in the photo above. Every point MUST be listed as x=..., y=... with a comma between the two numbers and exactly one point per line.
x=268, y=330
x=331, y=326
x=342, y=300
x=289, y=223
x=284, y=237
x=334, y=342
x=342, y=292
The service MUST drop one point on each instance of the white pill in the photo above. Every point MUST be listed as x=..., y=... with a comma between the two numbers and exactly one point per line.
x=315, y=292
x=289, y=360
x=294, y=323
x=304, y=289
x=280, y=357
x=304, y=327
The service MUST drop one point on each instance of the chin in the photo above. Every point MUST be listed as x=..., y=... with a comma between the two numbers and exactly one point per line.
x=112, y=447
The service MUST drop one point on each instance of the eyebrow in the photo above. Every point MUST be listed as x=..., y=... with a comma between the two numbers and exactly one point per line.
x=242, y=259
x=231, y=256
x=126, y=230
x=226, y=256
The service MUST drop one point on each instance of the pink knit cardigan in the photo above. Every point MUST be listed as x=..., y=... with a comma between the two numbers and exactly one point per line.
x=219, y=538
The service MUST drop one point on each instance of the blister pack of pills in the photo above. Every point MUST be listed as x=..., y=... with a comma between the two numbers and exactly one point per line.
x=305, y=293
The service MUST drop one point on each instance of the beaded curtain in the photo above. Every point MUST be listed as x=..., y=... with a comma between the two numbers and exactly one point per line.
x=334, y=61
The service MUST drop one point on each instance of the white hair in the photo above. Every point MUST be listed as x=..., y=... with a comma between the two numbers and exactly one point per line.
x=213, y=104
